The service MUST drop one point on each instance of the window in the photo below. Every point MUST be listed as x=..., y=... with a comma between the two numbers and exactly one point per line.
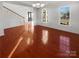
x=64, y=12
x=44, y=16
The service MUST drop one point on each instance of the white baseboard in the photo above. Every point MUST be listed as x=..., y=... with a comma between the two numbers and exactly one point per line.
x=1, y=32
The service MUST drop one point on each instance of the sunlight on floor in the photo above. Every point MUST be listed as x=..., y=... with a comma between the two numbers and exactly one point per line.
x=15, y=47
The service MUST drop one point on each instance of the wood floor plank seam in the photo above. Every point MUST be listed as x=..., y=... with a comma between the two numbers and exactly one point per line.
x=38, y=49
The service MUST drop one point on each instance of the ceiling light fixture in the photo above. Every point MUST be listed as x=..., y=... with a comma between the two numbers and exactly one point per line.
x=38, y=5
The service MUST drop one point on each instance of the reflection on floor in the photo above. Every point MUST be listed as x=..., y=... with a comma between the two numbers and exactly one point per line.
x=43, y=42
x=44, y=36
x=64, y=45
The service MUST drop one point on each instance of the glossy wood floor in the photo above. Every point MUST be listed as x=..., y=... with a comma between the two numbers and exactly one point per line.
x=43, y=42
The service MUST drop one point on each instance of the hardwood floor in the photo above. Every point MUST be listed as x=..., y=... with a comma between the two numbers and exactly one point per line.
x=42, y=43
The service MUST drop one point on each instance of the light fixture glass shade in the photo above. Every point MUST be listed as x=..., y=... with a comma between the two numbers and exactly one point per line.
x=38, y=5
x=33, y=5
x=42, y=5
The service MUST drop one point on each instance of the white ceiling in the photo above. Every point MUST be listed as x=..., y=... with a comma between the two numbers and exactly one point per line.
x=47, y=3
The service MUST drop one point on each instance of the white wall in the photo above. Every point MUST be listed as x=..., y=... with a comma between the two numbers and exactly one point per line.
x=8, y=19
x=13, y=18
x=1, y=23
x=53, y=18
